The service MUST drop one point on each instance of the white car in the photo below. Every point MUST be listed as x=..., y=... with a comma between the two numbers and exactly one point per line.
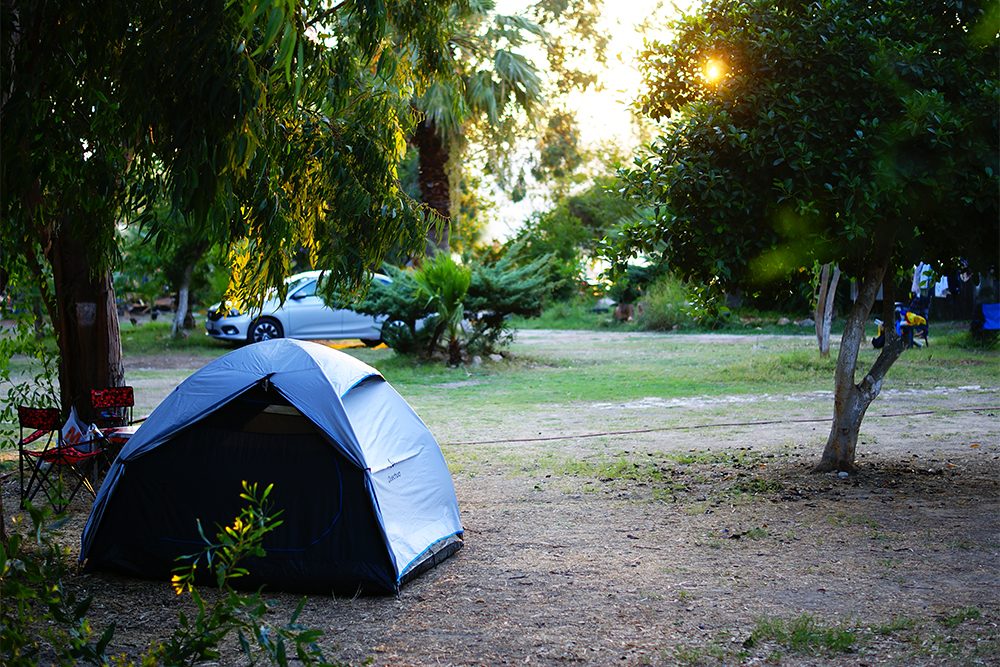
x=303, y=315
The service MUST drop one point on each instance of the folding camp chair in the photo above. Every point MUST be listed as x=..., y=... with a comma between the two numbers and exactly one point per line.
x=70, y=462
x=113, y=416
x=112, y=407
x=991, y=320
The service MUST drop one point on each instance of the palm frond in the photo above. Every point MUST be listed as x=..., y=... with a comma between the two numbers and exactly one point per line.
x=521, y=76
x=444, y=103
x=483, y=95
x=514, y=28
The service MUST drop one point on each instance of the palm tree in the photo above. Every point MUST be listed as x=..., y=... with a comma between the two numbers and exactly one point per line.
x=491, y=84
x=444, y=284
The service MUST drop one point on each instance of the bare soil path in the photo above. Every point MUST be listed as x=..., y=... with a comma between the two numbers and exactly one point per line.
x=703, y=538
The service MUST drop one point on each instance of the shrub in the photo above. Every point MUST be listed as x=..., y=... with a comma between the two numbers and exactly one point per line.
x=39, y=388
x=502, y=289
x=444, y=284
x=665, y=305
x=634, y=283
x=39, y=620
x=438, y=297
x=398, y=302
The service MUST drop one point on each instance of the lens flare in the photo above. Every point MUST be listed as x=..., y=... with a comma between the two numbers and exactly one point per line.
x=715, y=70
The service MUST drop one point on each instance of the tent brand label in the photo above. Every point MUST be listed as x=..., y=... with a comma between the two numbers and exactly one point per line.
x=394, y=477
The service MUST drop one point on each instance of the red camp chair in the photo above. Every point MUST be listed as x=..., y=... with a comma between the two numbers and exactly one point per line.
x=67, y=462
x=113, y=416
x=112, y=406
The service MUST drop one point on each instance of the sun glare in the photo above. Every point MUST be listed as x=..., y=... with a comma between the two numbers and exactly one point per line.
x=715, y=70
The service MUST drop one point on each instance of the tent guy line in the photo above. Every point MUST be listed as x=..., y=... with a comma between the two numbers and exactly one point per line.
x=764, y=422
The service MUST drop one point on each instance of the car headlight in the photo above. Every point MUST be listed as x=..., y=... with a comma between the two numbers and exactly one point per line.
x=215, y=315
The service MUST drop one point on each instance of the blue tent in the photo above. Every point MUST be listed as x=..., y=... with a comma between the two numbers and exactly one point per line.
x=366, y=497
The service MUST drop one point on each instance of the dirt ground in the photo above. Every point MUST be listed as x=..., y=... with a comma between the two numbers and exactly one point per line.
x=700, y=539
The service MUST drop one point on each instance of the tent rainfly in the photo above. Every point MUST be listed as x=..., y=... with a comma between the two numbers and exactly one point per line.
x=364, y=492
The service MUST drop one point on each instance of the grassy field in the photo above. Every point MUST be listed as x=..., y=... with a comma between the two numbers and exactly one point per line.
x=676, y=365
x=666, y=365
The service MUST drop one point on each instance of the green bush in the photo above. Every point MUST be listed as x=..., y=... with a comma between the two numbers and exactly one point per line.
x=665, y=305
x=40, y=388
x=444, y=284
x=577, y=313
x=500, y=290
x=476, y=314
x=407, y=342
x=398, y=302
x=39, y=620
x=634, y=283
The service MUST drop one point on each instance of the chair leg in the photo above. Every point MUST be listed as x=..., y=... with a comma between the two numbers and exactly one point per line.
x=55, y=490
x=82, y=480
x=35, y=482
x=43, y=483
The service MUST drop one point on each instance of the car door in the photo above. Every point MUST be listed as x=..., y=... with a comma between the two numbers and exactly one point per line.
x=308, y=317
x=357, y=325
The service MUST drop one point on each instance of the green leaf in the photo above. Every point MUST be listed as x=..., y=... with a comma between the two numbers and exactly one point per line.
x=252, y=10
x=286, y=51
x=274, y=23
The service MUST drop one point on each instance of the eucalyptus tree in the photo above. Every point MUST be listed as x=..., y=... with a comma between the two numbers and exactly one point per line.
x=272, y=124
x=864, y=134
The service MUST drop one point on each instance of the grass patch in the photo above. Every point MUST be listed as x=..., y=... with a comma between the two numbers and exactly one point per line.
x=575, y=314
x=696, y=656
x=665, y=366
x=804, y=635
x=906, y=640
x=694, y=479
x=894, y=626
x=154, y=338
x=616, y=469
x=960, y=544
x=757, y=485
x=957, y=618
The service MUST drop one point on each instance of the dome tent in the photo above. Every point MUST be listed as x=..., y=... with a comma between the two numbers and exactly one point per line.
x=366, y=498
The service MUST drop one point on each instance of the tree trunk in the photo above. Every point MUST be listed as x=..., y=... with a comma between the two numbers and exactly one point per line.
x=823, y=316
x=454, y=351
x=86, y=325
x=435, y=190
x=181, y=311
x=188, y=257
x=851, y=400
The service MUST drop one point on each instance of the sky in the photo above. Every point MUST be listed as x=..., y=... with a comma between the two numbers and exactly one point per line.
x=603, y=115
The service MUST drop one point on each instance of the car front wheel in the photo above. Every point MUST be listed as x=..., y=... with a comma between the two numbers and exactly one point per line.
x=264, y=329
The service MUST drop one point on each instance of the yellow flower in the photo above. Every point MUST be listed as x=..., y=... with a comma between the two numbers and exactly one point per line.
x=178, y=583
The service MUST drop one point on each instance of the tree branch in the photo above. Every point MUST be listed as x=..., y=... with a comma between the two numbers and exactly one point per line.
x=328, y=13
